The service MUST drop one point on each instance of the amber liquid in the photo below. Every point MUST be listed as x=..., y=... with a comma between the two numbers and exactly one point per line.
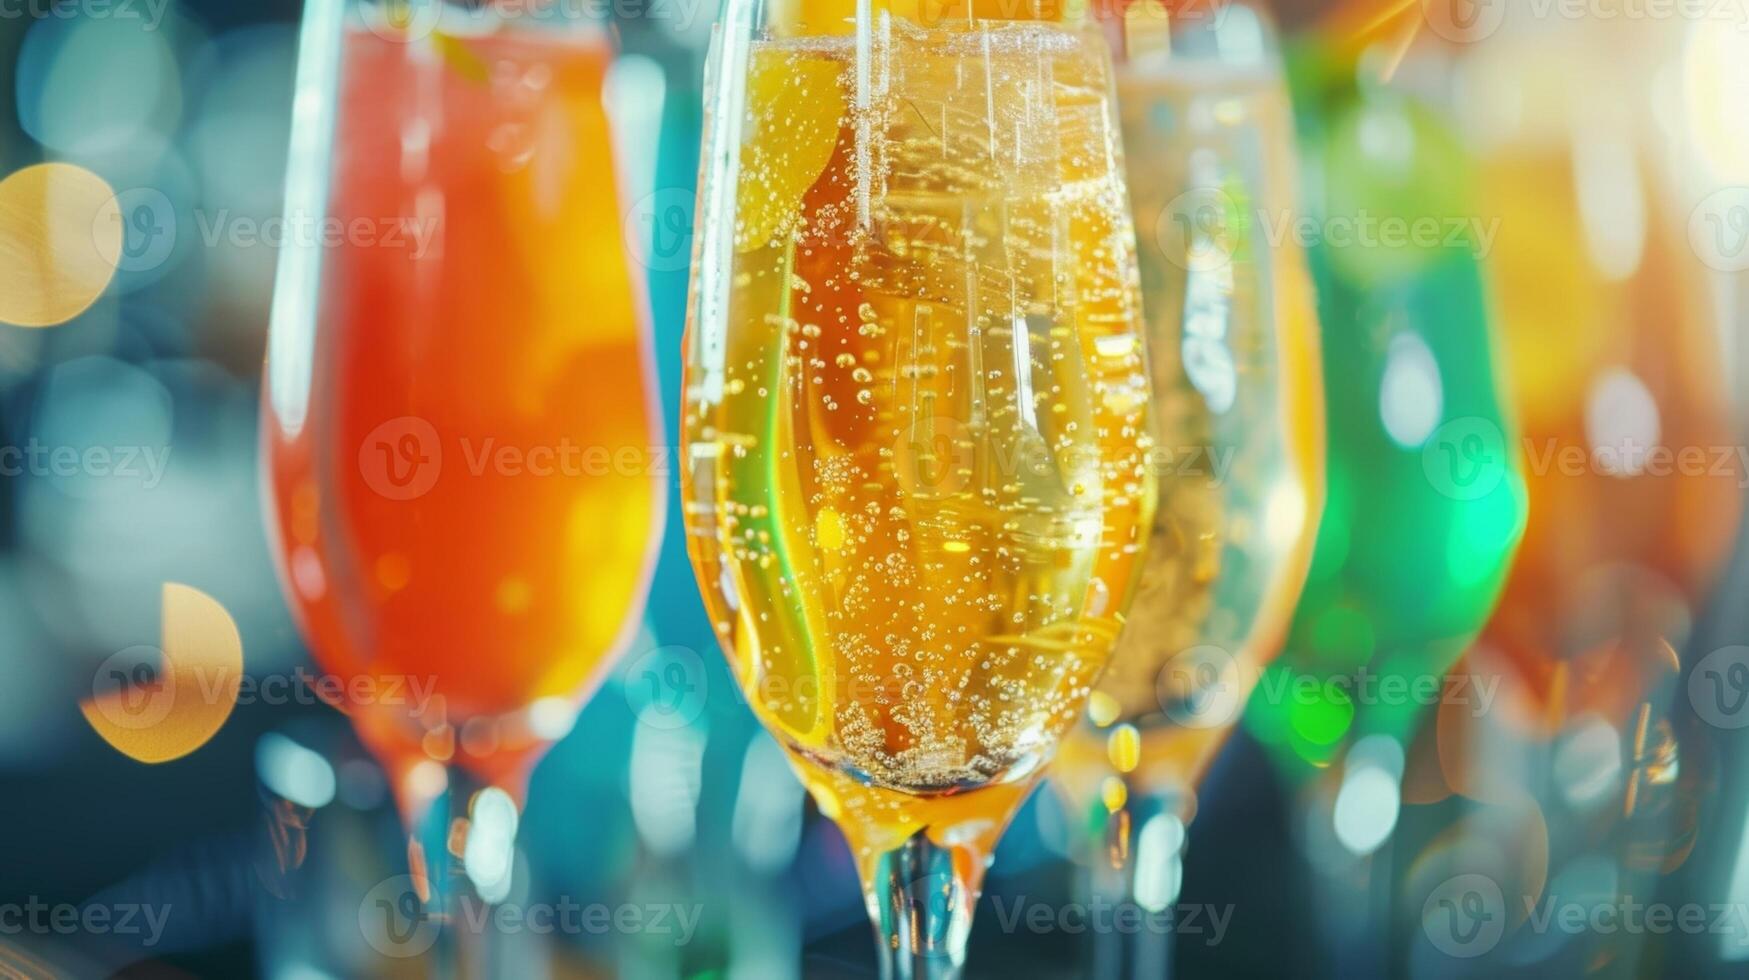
x=1233, y=339
x=917, y=419
x=493, y=551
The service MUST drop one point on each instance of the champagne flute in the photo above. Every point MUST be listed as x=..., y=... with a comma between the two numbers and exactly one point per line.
x=1233, y=336
x=459, y=412
x=917, y=435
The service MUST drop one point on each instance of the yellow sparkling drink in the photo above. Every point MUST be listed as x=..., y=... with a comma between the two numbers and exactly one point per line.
x=1234, y=343
x=917, y=415
x=1235, y=332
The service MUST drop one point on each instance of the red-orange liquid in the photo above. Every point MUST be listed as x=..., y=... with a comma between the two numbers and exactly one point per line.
x=492, y=547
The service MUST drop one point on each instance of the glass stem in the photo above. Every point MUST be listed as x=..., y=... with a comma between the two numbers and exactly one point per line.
x=1128, y=955
x=1141, y=869
x=921, y=897
x=463, y=847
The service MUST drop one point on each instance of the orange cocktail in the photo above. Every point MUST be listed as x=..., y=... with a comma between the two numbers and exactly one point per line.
x=460, y=445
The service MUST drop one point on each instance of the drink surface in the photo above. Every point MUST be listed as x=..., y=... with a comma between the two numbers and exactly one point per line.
x=465, y=493
x=916, y=425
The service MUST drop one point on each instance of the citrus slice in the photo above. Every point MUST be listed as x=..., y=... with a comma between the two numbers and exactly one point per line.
x=796, y=106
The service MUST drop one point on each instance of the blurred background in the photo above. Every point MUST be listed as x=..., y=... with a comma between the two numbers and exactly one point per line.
x=1330, y=829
